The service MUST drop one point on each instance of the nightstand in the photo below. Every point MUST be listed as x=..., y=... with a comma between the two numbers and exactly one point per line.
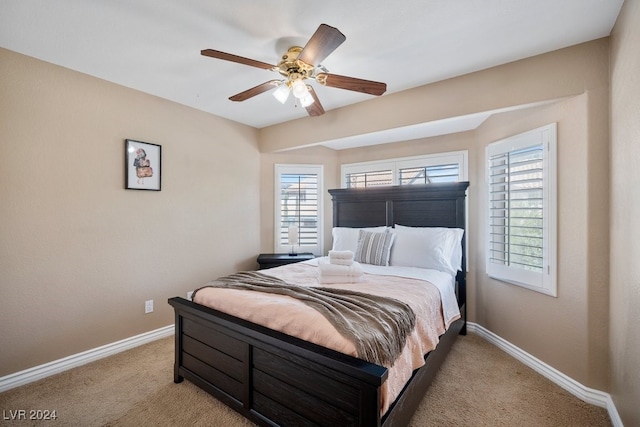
x=276, y=260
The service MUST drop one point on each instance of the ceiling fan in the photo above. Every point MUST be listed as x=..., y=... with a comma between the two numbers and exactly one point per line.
x=299, y=64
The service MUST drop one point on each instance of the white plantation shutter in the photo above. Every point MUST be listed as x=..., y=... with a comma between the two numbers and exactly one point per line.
x=298, y=203
x=429, y=174
x=516, y=208
x=521, y=210
x=369, y=179
x=441, y=167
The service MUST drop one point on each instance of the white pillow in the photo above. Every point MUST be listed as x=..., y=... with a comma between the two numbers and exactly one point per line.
x=453, y=246
x=346, y=238
x=456, y=247
x=436, y=248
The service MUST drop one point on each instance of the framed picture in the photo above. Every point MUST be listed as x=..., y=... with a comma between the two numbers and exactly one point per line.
x=143, y=165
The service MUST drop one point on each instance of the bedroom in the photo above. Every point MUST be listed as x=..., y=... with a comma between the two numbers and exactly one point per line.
x=79, y=255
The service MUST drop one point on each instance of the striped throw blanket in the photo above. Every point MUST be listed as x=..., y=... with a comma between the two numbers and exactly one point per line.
x=377, y=326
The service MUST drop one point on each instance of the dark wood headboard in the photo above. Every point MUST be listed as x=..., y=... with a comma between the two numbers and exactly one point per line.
x=427, y=205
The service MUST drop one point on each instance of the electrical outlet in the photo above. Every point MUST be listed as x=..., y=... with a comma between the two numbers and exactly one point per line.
x=189, y=295
x=148, y=306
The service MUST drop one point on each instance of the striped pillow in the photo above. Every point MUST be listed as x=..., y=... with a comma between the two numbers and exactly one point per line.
x=374, y=247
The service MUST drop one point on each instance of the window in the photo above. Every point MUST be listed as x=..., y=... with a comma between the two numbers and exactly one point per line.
x=443, y=167
x=369, y=179
x=298, y=203
x=521, y=177
x=429, y=174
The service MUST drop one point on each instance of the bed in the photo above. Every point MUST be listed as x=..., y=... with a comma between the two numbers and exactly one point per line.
x=277, y=379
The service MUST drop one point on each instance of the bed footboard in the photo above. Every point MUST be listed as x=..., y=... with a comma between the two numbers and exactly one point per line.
x=272, y=378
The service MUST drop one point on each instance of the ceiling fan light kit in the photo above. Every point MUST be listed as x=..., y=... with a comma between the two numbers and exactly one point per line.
x=307, y=99
x=298, y=88
x=282, y=93
x=299, y=64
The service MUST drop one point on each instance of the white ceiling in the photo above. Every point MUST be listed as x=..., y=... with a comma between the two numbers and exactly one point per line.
x=154, y=45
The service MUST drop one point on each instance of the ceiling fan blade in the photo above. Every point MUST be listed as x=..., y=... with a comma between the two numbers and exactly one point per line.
x=235, y=58
x=314, y=109
x=352, y=83
x=324, y=41
x=257, y=90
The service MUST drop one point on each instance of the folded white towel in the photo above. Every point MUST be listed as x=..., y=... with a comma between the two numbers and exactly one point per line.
x=341, y=261
x=341, y=257
x=328, y=269
x=333, y=255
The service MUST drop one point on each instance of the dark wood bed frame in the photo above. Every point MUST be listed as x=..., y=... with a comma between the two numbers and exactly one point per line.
x=275, y=379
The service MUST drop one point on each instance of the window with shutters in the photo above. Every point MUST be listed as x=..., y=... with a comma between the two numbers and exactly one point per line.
x=369, y=178
x=441, y=167
x=521, y=236
x=429, y=174
x=298, y=205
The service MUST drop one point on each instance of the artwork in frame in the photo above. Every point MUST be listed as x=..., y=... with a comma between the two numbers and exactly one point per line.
x=143, y=164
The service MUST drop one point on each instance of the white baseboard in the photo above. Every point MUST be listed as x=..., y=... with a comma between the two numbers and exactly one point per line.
x=589, y=395
x=38, y=372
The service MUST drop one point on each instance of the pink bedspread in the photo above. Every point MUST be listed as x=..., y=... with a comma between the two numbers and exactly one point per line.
x=293, y=317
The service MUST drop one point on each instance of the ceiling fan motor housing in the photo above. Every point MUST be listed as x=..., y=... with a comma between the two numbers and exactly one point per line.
x=292, y=68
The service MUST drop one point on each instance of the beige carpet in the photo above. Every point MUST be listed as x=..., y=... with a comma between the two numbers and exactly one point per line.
x=478, y=385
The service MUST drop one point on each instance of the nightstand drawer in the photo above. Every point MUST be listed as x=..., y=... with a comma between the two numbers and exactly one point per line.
x=276, y=260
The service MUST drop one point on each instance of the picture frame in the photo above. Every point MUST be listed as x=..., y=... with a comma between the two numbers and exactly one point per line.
x=143, y=165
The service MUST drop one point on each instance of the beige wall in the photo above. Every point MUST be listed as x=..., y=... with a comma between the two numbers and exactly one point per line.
x=570, y=332
x=79, y=255
x=625, y=213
